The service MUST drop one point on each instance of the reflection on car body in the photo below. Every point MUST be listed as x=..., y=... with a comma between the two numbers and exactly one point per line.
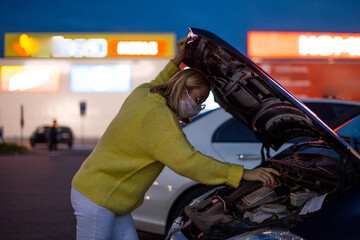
x=321, y=167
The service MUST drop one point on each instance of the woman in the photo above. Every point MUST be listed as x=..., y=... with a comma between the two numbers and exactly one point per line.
x=144, y=137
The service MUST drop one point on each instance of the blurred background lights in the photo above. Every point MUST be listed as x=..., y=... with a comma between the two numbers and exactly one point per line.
x=30, y=78
x=100, y=78
x=28, y=44
x=78, y=47
x=137, y=48
x=326, y=45
x=96, y=47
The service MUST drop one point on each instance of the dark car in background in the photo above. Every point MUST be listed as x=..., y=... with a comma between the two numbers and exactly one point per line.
x=42, y=134
x=317, y=195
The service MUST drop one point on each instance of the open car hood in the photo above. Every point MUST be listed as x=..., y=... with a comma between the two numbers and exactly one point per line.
x=253, y=97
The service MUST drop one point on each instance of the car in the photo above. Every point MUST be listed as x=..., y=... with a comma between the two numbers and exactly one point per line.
x=41, y=135
x=317, y=194
x=337, y=219
x=218, y=134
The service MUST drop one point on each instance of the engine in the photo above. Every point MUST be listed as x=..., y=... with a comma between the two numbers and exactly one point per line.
x=230, y=211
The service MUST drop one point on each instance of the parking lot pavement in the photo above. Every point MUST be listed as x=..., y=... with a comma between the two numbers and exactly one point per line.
x=35, y=194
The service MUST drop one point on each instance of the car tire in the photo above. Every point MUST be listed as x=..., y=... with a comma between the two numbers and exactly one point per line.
x=70, y=145
x=184, y=200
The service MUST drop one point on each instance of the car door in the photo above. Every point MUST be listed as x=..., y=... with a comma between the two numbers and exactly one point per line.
x=42, y=134
x=235, y=143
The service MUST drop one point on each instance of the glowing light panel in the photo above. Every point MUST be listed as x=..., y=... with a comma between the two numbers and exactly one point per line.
x=89, y=45
x=100, y=78
x=304, y=45
x=78, y=48
x=137, y=48
x=326, y=45
x=30, y=78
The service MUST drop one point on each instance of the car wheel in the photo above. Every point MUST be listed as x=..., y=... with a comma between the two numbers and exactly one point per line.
x=184, y=200
x=70, y=145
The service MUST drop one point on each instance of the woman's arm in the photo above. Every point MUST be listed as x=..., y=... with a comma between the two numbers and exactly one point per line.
x=181, y=44
x=173, y=66
x=164, y=139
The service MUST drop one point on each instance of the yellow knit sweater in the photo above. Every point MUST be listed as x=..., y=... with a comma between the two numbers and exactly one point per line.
x=144, y=137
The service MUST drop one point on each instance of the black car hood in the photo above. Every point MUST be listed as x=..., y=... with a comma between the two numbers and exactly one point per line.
x=253, y=97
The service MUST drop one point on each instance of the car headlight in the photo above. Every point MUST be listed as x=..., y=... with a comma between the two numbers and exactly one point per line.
x=268, y=234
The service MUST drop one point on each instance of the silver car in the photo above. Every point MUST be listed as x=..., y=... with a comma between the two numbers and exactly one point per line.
x=219, y=134
x=317, y=194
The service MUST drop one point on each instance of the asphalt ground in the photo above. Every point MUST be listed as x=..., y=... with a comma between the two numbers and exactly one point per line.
x=35, y=194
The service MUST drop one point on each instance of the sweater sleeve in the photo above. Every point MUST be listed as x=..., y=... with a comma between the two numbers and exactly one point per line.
x=168, y=144
x=179, y=155
x=169, y=70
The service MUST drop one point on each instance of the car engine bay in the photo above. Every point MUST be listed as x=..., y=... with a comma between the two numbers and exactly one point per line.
x=305, y=175
x=318, y=168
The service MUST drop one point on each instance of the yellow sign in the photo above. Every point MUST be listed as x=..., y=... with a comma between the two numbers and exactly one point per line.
x=93, y=45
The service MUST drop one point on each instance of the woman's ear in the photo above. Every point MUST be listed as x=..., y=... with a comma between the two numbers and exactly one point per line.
x=183, y=94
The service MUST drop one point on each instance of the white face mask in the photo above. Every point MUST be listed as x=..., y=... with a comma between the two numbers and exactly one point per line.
x=188, y=108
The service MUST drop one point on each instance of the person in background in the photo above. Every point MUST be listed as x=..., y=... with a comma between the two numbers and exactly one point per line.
x=144, y=137
x=2, y=133
x=53, y=138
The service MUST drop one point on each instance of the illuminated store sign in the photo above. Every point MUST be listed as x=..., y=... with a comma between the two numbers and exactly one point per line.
x=304, y=45
x=89, y=45
x=100, y=78
x=30, y=78
x=92, y=48
x=130, y=48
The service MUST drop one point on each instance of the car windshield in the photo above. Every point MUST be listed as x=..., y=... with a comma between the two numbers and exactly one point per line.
x=351, y=128
x=63, y=129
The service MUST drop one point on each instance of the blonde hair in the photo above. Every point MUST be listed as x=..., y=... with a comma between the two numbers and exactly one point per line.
x=172, y=89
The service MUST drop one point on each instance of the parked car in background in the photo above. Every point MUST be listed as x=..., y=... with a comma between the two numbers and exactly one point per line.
x=218, y=134
x=41, y=135
x=316, y=196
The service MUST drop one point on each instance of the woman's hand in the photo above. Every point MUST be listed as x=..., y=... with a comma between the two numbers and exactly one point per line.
x=181, y=44
x=261, y=174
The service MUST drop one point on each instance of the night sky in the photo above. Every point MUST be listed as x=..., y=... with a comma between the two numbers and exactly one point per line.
x=229, y=19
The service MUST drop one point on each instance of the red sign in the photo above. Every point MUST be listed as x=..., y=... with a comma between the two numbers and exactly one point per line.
x=303, y=45
x=137, y=48
x=317, y=80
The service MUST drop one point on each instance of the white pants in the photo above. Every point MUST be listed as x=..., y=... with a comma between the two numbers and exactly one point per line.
x=98, y=223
